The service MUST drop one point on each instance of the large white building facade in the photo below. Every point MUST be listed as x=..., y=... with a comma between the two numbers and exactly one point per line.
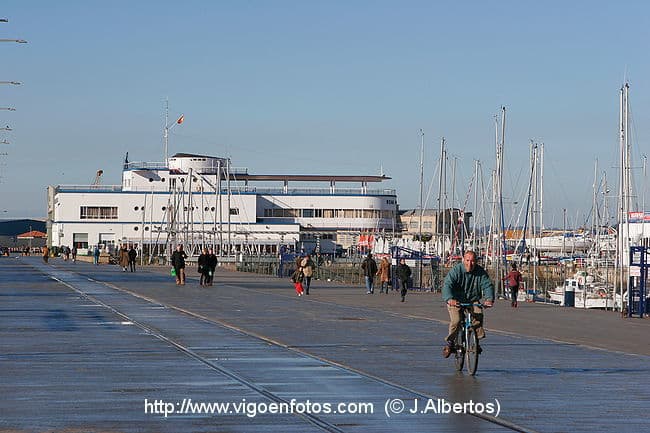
x=202, y=201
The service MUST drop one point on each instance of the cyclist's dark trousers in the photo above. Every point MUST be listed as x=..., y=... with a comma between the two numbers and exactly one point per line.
x=455, y=318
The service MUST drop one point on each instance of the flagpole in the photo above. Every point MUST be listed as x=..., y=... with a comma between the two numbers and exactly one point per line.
x=168, y=127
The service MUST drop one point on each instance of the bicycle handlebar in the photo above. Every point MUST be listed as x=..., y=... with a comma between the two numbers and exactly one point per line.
x=471, y=304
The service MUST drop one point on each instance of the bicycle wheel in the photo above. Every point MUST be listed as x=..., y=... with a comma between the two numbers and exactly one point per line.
x=471, y=352
x=459, y=350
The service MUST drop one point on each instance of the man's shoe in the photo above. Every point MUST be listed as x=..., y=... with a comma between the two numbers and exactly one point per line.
x=447, y=350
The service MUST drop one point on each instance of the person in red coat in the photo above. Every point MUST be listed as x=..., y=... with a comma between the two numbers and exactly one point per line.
x=513, y=279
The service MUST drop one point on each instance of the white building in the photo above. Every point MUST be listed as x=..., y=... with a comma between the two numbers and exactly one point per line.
x=202, y=201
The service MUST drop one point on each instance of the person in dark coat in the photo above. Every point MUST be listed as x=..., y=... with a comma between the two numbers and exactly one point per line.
x=369, y=268
x=403, y=275
x=178, y=262
x=204, y=267
x=132, y=256
x=212, y=264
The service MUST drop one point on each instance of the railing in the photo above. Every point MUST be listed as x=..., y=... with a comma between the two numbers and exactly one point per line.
x=310, y=191
x=145, y=166
x=98, y=188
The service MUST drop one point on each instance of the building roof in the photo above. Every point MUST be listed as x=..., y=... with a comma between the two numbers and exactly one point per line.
x=32, y=235
x=307, y=178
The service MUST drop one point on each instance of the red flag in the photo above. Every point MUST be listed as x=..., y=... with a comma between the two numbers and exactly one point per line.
x=181, y=119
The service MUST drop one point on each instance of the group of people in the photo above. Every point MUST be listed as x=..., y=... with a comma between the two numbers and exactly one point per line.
x=207, y=264
x=402, y=272
x=127, y=257
x=303, y=274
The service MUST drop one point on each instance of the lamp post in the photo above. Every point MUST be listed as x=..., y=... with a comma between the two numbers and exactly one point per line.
x=6, y=128
x=18, y=41
x=15, y=83
x=8, y=108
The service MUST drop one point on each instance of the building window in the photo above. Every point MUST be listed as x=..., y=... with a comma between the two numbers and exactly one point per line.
x=308, y=213
x=98, y=213
x=427, y=224
x=80, y=240
x=413, y=224
x=234, y=211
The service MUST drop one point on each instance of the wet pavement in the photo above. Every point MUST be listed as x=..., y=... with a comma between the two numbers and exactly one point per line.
x=84, y=347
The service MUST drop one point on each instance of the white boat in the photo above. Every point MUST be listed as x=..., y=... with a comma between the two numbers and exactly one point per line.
x=587, y=293
x=567, y=243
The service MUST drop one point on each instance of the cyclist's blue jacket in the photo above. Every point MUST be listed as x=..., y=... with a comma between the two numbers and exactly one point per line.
x=466, y=286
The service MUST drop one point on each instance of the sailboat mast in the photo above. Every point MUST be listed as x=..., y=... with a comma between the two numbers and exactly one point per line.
x=166, y=132
x=421, y=188
x=624, y=189
x=476, y=162
x=420, y=243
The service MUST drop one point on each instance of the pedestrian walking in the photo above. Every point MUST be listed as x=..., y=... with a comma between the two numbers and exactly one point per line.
x=369, y=268
x=404, y=276
x=178, y=262
x=123, y=257
x=133, y=254
x=307, y=265
x=74, y=254
x=384, y=274
x=66, y=254
x=514, y=279
x=204, y=267
x=96, y=255
x=297, y=278
x=212, y=264
x=46, y=254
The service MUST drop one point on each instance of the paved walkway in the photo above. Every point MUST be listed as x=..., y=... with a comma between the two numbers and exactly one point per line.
x=83, y=347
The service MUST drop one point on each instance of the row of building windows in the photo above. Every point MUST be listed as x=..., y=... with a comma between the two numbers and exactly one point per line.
x=98, y=212
x=110, y=212
x=324, y=236
x=425, y=224
x=327, y=213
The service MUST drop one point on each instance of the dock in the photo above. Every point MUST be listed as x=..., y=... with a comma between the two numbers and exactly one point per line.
x=94, y=349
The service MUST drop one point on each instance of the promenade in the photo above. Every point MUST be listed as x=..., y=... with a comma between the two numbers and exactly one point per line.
x=88, y=348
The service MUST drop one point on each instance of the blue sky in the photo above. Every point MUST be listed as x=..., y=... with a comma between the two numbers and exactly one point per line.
x=321, y=87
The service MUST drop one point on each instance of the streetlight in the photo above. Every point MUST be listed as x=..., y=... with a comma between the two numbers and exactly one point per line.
x=18, y=41
x=15, y=83
x=8, y=108
x=6, y=128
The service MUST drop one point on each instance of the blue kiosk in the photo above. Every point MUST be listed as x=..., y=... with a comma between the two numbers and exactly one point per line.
x=637, y=293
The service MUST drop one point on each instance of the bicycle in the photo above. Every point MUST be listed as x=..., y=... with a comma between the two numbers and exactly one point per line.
x=466, y=346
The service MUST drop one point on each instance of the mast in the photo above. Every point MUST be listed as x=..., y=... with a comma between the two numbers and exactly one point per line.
x=624, y=189
x=421, y=203
x=441, y=227
x=476, y=162
x=166, y=132
x=541, y=188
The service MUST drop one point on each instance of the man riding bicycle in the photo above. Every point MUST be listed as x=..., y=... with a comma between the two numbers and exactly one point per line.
x=466, y=283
